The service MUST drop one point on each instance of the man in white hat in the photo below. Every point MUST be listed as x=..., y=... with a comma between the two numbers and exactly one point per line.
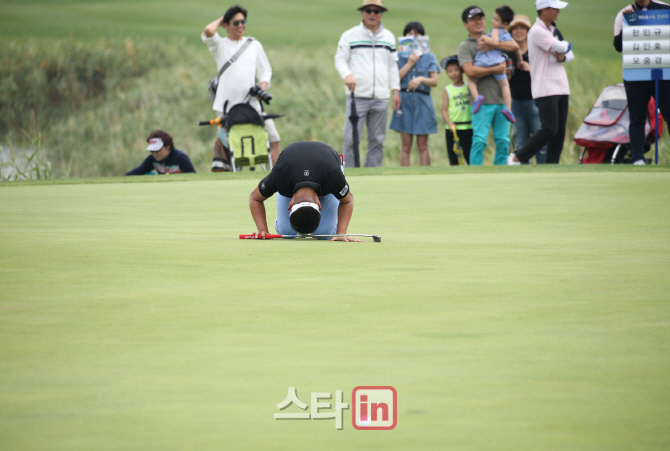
x=640, y=92
x=366, y=59
x=549, y=84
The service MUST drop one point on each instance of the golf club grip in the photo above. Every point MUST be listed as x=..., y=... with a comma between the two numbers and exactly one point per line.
x=251, y=237
x=206, y=123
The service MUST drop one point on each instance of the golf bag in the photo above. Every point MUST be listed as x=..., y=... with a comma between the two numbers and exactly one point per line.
x=604, y=131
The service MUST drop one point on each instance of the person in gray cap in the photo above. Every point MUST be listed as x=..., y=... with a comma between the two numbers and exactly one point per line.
x=366, y=59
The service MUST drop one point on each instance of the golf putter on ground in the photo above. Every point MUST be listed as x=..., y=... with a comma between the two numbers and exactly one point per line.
x=268, y=236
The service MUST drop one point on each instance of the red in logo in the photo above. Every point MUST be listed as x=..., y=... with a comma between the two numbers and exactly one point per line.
x=374, y=408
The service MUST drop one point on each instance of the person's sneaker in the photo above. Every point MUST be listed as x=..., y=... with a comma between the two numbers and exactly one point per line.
x=509, y=115
x=511, y=162
x=478, y=104
x=640, y=162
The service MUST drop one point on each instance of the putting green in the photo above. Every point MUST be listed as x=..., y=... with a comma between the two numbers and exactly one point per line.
x=511, y=311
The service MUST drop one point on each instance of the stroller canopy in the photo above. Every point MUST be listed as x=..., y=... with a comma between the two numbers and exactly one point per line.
x=607, y=123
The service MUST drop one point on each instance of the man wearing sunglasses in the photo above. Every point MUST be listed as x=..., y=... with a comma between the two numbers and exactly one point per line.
x=366, y=59
x=251, y=67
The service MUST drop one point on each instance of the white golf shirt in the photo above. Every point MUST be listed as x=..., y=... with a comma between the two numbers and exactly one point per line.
x=252, y=67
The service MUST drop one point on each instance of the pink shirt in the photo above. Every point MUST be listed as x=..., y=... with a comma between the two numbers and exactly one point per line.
x=547, y=75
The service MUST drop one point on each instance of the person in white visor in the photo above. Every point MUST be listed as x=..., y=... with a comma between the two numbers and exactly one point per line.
x=312, y=194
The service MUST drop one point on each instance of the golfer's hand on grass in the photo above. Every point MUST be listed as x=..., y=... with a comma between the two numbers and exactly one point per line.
x=260, y=235
x=350, y=82
x=345, y=238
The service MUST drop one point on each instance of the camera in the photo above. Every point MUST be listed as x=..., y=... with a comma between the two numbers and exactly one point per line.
x=262, y=95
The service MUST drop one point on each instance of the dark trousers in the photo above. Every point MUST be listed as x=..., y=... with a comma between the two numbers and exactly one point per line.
x=465, y=138
x=639, y=93
x=553, y=112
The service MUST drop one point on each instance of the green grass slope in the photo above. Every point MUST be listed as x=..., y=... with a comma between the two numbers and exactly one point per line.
x=511, y=311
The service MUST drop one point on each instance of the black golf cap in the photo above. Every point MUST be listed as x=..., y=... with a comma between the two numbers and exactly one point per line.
x=472, y=11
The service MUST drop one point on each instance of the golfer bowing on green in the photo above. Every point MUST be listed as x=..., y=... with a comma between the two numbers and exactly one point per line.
x=312, y=194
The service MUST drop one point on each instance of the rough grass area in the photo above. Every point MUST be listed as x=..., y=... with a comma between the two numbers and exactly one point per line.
x=105, y=134
x=527, y=310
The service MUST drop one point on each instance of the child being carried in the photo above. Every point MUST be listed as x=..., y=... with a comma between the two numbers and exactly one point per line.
x=501, y=19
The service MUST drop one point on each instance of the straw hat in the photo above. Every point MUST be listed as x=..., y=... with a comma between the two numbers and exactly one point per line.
x=519, y=20
x=373, y=3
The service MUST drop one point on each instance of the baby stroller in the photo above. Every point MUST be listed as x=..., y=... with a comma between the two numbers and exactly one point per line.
x=604, y=131
x=243, y=132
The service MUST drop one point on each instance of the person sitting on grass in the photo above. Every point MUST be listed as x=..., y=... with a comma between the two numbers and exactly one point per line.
x=164, y=158
x=501, y=19
x=312, y=194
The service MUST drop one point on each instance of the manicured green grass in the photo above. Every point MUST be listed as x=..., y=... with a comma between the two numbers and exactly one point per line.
x=511, y=310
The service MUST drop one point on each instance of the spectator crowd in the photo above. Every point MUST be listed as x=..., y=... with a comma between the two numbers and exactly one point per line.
x=510, y=75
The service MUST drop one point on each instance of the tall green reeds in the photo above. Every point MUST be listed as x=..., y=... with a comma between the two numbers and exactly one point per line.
x=101, y=99
x=28, y=162
x=51, y=78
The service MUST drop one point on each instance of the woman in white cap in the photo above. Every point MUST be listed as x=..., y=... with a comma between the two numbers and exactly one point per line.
x=164, y=158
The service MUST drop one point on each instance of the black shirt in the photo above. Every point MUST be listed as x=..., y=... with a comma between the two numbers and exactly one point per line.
x=519, y=84
x=175, y=163
x=306, y=163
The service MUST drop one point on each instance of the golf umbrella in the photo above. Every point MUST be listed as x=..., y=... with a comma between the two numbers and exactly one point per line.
x=354, y=131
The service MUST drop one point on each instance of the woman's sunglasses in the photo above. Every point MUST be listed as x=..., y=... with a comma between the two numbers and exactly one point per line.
x=372, y=11
x=237, y=22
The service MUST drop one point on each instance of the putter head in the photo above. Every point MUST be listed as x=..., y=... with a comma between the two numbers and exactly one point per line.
x=376, y=238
